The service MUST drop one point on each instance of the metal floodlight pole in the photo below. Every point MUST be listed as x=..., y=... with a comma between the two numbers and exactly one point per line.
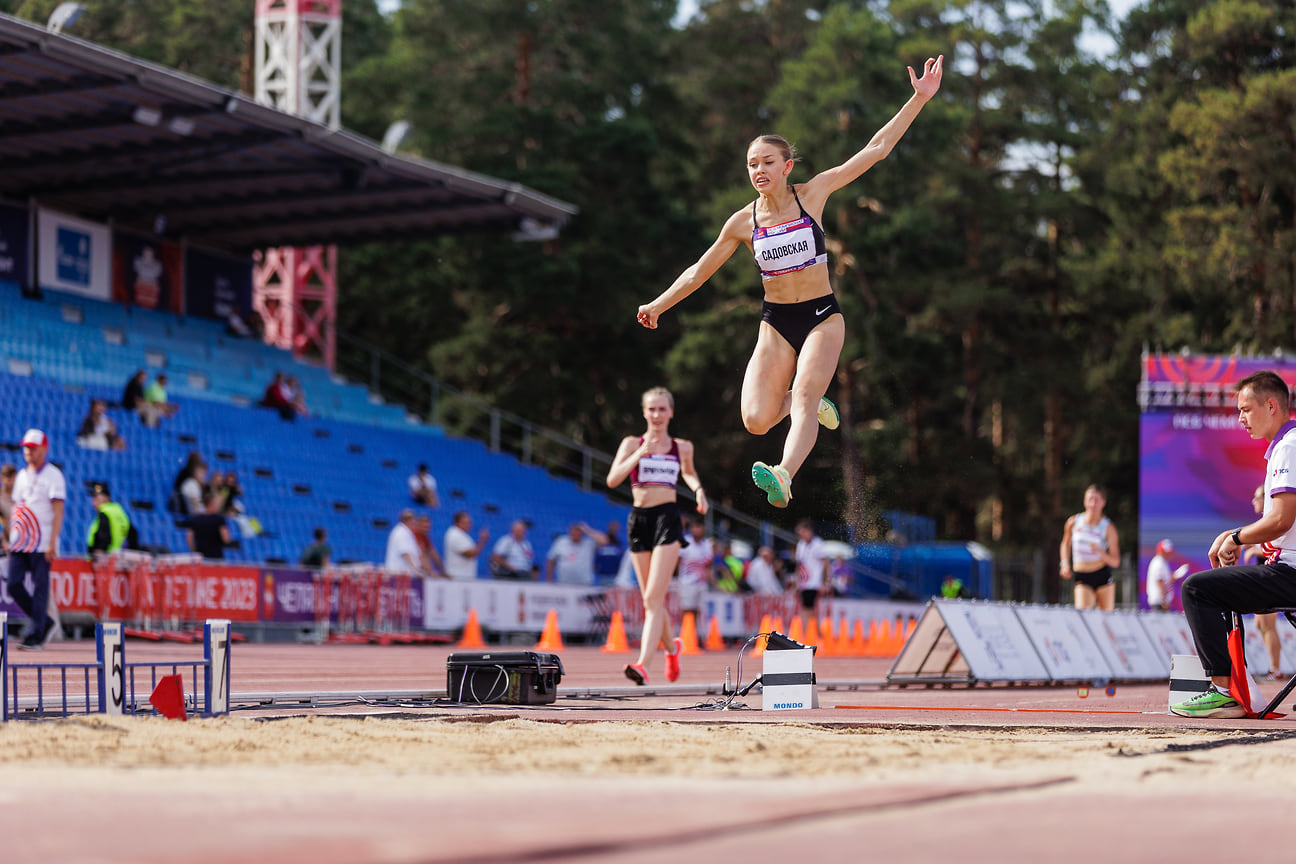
x=298, y=70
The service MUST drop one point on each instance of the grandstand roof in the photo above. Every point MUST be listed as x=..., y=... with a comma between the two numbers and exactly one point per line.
x=97, y=133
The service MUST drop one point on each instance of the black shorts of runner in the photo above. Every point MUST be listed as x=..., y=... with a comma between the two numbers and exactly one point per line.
x=1095, y=580
x=809, y=596
x=794, y=321
x=650, y=527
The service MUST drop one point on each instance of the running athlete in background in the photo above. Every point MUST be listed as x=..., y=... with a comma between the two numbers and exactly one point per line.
x=655, y=462
x=1090, y=549
x=802, y=330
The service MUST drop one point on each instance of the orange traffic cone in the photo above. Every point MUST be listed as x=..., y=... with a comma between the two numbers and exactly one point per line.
x=886, y=642
x=843, y=646
x=761, y=641
x=616, y=641
x=714, y=641
x=472, y=633
x=828, y=636
x=794, y=631
x=811, y=632
x=874, y=641
x=550, y=638
x=858, y=646
x=776, y=626
x=688, y=635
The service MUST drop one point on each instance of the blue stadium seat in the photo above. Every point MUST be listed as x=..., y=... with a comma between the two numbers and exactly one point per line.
x=352, y=450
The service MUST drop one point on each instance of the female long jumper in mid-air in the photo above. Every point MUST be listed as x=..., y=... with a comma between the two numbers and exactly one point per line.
x=801, y=330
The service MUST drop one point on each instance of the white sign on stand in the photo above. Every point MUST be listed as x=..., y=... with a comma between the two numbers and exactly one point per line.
x=1065, y=645
x=1126, y=646
x=968, y=640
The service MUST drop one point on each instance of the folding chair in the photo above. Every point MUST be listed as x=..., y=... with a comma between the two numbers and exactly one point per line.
x=1290, y=615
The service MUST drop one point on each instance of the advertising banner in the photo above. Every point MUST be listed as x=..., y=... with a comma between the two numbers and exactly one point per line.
x=1198, y=468
x=148, y=272
x=190, y=592
x=73, y=255
x=13, y=244
x=217, y=285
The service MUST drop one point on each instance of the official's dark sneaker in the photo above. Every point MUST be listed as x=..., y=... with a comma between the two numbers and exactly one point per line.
x=31, y=642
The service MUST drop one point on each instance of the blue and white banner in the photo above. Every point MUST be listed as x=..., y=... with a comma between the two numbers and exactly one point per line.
x=217, y=285
x=13, y=244
x=73, y=255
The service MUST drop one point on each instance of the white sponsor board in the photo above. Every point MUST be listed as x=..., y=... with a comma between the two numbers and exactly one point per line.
x=1126, y=646
x=73, y=255
x=509, y=606
x=1168, y=632
x=969, y=640
x=1064, y=643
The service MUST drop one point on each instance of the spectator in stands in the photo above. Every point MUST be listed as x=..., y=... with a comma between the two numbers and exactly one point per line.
x=133, y=393
x=207, y=532
x=155, y=404
x=193, y=490
x=98, y=431
x=839, y=577
x=7, y=475
x=608, y=555
x=177, y=503
x=728, y=569
x=423, y=487
x=318, y=553
x=111, y=529
x=279, y=396
x=431, y=559
x=297, y=395
x=38, y=494
x=513, y=557
x=571, y=557
x=460, y=550
x=403, y=555
x=696, y=569
x=765, y=572
x=227, y=486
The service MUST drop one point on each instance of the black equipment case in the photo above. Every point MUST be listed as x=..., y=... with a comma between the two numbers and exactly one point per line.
x=505, y=677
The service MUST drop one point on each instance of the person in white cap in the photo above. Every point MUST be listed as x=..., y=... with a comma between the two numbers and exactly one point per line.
x=38, y=496
x=1160, y=581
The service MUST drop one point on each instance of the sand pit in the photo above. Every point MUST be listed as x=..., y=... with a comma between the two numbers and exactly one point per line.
x=494, y=788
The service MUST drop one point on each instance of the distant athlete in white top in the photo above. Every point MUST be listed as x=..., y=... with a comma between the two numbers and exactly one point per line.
x=655, y=463
x=802, y=330
x=1090, y=549
x=812, y=570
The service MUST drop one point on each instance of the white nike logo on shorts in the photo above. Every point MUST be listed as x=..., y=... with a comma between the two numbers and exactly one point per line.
x=819, y=312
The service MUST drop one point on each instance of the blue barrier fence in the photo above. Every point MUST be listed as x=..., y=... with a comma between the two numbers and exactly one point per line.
x=48, y=690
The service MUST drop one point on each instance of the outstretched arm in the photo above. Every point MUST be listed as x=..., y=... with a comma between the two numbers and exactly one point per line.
x=692, y=278
x=886, y=138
